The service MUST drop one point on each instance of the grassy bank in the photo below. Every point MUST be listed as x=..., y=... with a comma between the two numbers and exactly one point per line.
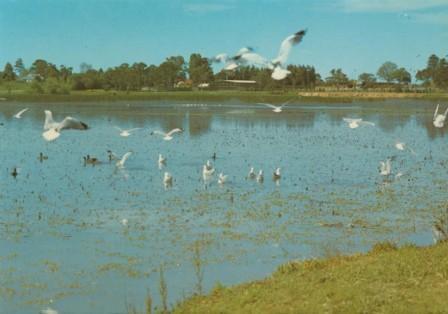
x=386, y=280
x=197, y=96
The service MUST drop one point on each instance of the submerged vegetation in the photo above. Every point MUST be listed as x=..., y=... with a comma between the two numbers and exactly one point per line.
x=387, y=279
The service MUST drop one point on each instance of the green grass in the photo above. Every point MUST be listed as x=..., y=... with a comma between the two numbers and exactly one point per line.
x=23, y=92
x=386, y=280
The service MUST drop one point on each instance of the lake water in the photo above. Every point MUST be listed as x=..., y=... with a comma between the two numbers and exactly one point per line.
x=62, y=237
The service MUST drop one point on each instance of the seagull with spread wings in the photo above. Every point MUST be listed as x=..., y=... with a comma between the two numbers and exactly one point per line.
x=53, y=129
x=168, y=136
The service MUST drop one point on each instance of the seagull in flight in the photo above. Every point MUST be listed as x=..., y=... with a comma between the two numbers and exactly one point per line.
x=355, y=123
x=18, y=115
x=168, y=136
x=121, y=162
x=402, y=146
x=276, y=109
x=53, y=129
x=439, y=119
x=126, y=133
x=247, y=55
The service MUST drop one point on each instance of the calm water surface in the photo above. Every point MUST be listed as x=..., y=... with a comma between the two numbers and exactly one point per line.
x=63, y=243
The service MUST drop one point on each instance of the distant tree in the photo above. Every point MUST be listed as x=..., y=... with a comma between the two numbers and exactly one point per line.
x=19, y=68
x=65, y=72
x=386, y=71
x=84, y=67
x=337, y=77
x=401, y=75
x=441, y=74
x=171, y=71
x=367, y=80
x=301, y=76
x=199, y=69
x=8, y=73
x=435, y=73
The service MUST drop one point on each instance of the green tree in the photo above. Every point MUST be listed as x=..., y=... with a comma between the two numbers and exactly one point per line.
x=367, y=80
x=199, y=69
x=402, y=76
x=337, y=77
x=19, y=68
x=8, y=73
x=386, y=71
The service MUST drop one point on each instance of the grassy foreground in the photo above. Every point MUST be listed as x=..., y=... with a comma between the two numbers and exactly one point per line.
x=386, y=280
x=219, y=95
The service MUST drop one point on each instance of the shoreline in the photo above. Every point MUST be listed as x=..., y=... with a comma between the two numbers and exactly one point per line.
x=260, y=96
x=386, y=279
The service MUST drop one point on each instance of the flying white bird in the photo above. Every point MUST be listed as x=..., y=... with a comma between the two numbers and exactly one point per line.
x=48, y=310
x=385, y=168
x=402, y=146
x=53, y=129
x=276, y=109
x=439, y=119
x=121, y=162
x=355, y=123
x=246, y=55
x=18, y=115
x=222, y=178
x=168, y=136
x=126, y=133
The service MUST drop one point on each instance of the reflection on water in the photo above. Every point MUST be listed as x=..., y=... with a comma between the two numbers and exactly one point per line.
x=86, y=238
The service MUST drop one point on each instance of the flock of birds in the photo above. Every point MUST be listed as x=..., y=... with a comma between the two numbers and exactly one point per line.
x=52, y=131
x=247, y=55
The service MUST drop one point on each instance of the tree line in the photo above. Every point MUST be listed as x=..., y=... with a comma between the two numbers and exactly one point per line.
x=176, y=73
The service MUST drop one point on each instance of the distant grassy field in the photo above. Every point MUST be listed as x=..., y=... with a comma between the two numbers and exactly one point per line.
x=386, y=280
x=23, y=92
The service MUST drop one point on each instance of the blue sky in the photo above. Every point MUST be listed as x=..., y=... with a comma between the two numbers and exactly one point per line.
x=355, y=35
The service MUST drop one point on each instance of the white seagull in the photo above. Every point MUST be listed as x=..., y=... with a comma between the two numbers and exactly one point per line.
x=168, y=136
x=251, y=174
x=18, y=115
x=121, y=162
x=439, y=119
x=126, y=133
x=53, y=129
x=402, y=146
x=276, y=109
x=276, y=175
x=207, y=173
x=385, y=168
x=246, y=55
x=162, y=161
x=222, y=178
x=355, y=123
x=167, y=179
x=260, y=177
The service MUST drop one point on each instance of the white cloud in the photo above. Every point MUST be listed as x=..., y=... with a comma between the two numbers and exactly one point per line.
x=206, y=7
x=391, y=5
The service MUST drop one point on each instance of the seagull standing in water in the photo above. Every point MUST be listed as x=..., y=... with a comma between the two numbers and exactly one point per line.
x=251, y=174
x=260, y=176
x=126, y=133
x=18, y=115
x=161, y=161
x=167, y=179
x=355, y=123
x=222, y=178
x=276, y=175
x=168, y=136
x=439, y=119
x=276, y=109
x=53, y=129
x=385, y=167
x=121, y=162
